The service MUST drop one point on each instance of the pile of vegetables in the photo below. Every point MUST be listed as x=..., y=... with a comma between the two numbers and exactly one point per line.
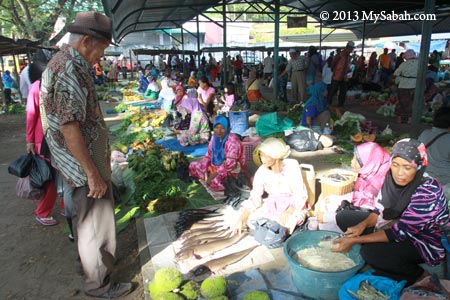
x=168, y=284
x=269, y=106
x=295, y=113
x=15, y=109
x=153, y=178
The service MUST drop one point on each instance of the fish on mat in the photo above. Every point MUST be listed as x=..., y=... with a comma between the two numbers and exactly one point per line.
x=202, y=250
x=217, y=264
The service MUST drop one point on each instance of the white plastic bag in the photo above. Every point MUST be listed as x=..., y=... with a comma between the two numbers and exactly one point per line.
x=26, y=191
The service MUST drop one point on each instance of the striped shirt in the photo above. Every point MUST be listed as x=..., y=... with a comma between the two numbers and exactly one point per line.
x=68, y=94
x=421, y=221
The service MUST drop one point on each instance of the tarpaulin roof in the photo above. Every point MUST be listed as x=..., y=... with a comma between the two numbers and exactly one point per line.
x=141, y=15
x=9, y=46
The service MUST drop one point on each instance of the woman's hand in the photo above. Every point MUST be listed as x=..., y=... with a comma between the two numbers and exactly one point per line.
x=356, y=230
x=31, y=148
x=284, y=217
x=210, y=177
x=241, y=222
x=343, y=244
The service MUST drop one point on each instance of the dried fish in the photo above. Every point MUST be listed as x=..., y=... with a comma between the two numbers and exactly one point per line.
x=206, y=237
x=215, y=265
x=368, y=292
x=203, y=250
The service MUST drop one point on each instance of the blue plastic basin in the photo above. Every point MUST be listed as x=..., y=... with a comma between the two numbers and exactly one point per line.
x=312, y=283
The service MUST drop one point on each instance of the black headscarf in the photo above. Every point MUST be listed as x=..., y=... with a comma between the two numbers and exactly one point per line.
x=40, y=60
x=396, y=198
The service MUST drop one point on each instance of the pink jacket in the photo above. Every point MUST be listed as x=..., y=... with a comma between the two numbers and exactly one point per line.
x=34, y=131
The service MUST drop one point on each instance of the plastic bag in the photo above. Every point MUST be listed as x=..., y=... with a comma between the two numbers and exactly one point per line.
x=270, y=123
x=305, y=140
x=269, y=233
x=387, y=286
x=40, y=173
x=26, y=191
x=21, y=167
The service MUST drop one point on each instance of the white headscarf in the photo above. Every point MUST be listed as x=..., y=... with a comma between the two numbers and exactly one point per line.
x=275, y=148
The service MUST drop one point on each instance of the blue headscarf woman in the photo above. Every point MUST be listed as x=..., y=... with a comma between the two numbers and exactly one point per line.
x=225, y=157
x=219, y=138
x=315, y=105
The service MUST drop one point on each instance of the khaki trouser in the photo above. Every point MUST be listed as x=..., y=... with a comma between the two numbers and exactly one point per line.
x=298, y=81
x=95, y=233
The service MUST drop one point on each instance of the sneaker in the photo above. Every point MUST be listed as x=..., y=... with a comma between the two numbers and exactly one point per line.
x=46, y=221
x=117, y=289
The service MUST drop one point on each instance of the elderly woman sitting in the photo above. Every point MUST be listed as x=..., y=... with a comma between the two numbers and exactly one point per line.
x=225, y=157
x=281, y=178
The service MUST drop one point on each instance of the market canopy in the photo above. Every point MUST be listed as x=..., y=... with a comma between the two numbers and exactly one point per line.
x=142, y=15
x=9, y=46
x=163, y=51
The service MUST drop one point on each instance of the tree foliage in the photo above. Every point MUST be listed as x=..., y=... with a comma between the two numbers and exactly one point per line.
x=36, y=19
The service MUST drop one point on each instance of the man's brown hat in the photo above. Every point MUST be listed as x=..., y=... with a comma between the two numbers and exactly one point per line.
x=93, y=24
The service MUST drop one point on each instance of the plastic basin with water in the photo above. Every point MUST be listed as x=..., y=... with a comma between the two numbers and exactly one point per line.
x=312, y=283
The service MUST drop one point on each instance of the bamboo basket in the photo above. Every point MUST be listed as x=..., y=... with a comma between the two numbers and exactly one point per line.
x=337, y=182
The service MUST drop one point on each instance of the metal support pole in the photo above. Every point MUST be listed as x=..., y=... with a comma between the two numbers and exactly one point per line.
x=198, y=43
x=363, y=38
x=224, y=52
x=276, y=45
x=423, y=61
x=320, y=37
x=182, y=44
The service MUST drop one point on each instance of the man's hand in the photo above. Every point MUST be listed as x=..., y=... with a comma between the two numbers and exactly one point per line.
x=97, y=186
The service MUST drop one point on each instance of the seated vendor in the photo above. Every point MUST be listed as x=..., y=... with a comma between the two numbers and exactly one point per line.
x=253, y=86
x=315, y=109
x=143, y=83
x=280, y=178
x=153, y=88
x=411, y=212
x=192, y=81
x=225, y=157
x=199, y=131
x=371, y=162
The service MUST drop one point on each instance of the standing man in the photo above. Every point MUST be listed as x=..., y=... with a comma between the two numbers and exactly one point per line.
x=384, y=60
x=392, y=60
x=268, y=67
x=78, y=140
x=297, y=66
x=340, y=66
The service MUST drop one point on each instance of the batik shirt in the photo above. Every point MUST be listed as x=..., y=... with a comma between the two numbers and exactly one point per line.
x=420, y=222
x=68, y=94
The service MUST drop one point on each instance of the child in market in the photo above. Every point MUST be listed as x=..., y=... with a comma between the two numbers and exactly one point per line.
x=229, y=98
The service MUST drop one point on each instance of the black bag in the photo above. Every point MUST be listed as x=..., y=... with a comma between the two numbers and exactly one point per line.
x=346, y=205
x=304, y=140
x=269, y=233
x=45, y=150
x=40, y=173
x=21, y=167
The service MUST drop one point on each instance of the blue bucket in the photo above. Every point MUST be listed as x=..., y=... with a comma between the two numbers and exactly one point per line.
x=312, y=283
x=238, y=121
